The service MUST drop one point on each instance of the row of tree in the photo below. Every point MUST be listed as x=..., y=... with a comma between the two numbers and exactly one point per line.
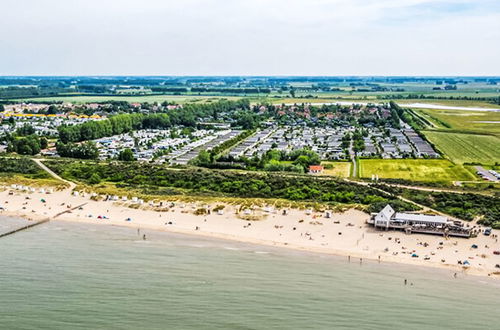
x=187, y=116
x=85, y=150
x=118, y=124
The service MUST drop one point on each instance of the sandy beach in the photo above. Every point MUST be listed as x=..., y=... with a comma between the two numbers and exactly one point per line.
x=345, y=234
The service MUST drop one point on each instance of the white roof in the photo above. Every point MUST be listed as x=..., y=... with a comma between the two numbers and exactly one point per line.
x=386, y=213
x=420, y=218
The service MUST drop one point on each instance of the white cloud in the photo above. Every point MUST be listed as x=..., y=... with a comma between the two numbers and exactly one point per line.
x=269, y=37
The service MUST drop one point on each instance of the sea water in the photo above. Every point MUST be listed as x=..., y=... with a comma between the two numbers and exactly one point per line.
x=73, y=276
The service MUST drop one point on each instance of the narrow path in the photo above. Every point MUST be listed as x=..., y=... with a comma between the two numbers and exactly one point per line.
x=53, y=174
x=354, y=168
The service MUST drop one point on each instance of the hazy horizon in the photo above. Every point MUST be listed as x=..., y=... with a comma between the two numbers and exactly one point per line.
x=250, y=38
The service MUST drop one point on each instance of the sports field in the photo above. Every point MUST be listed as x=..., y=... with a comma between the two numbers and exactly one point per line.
x=428, y=170
x=466, y=148
x=340, y=169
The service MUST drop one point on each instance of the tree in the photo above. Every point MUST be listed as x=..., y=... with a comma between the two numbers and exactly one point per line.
x=204, y=158
x=43, y=143
x=126, y=155
x=26, y=145
x=95, y=178
x=87, y=150
x=52, y=110
x=25, y=130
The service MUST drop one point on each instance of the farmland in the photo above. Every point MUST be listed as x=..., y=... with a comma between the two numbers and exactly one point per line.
x=180, y=99
x=466, y=148
x=481, y=122
x=425, y=170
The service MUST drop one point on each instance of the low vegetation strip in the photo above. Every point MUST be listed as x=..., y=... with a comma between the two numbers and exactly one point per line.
x=24, y=171
x=423, y=170
x=227, y=183
x=466, y=148
x=22, y=165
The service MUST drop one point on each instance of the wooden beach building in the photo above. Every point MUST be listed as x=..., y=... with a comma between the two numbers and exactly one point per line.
x=417, y=223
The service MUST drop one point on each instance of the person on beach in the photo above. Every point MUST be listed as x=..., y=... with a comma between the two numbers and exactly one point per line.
x=406, y=281
x=144, y=237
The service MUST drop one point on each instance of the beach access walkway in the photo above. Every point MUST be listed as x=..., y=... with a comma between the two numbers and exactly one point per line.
x=31, y=225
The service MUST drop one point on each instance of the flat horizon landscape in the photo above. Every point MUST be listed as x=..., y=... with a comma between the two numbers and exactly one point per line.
x=250, y=165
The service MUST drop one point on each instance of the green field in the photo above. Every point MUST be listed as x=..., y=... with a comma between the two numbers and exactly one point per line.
x=340, y=169
x=466, y=148
x=135, y=98
x=426, y=170
x=332, y=98
x=483, y=122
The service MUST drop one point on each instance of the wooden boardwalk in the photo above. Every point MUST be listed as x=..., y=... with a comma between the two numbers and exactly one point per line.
x=24, y=227
x=31, y=225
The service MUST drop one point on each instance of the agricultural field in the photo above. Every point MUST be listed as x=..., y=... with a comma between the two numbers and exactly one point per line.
x=340, y=169
x=425, y=170
x=483, y=122
x=451, y=103
x=466, y=148
x=131, y=98
x=332, y=98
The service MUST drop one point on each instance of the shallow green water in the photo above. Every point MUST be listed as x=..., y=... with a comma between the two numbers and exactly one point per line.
x=70, y=276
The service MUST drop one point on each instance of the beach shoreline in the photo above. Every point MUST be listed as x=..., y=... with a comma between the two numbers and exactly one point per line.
x=342, y=234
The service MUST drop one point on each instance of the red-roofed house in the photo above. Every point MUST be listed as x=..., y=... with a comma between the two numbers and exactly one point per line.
x=315, y=169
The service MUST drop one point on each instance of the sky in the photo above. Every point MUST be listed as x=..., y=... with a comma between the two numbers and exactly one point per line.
x=250, y=37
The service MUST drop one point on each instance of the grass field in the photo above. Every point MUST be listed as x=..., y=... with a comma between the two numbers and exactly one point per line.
x=136, y=98
x=426, y=170
x=325, y=98
x=484, y=122
x=452, y=103
x=340, y=169
x=466, y=148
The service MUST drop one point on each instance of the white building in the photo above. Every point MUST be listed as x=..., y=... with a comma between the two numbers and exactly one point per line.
x=388, y=218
